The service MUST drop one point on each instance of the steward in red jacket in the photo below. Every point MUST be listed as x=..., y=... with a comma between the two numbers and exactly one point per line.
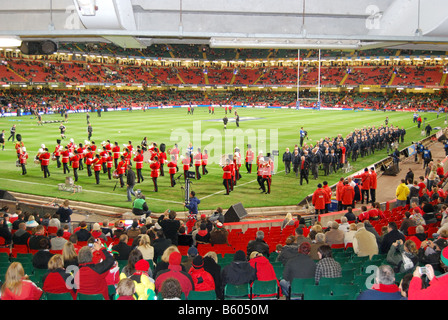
x=319, y=199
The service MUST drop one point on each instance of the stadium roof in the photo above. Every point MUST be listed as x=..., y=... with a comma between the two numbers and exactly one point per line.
x=293, y=24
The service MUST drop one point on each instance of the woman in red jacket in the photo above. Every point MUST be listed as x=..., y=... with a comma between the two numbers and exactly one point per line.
x=57, y=280
x=17, y=286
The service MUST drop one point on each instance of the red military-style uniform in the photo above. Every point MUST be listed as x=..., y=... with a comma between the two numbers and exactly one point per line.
x=138, y=159
x=45, y=158
x=97, y=162
x=197, y=158
x=155, y=167
x=175, y=152
x=75, y=165
x=116, y=155
x=204, y=163
x=23, y=157
x=75, y=161
x=186, y=165
x=65, y=156
x=227, y=177
x=172, y=165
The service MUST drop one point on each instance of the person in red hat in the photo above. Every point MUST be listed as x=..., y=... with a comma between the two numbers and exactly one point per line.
x=175, y=271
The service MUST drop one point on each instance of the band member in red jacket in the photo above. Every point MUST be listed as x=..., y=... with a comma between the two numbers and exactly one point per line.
x=186, y=164
x=75, y=160
x=45, y=161
x=121, y=169
x=162, y=159
x=172, y=169
x=109, y=164
x=155, y=167
x=227, y=176
x=116, y=153
x=138, y=159
x=81, y=155
x=22, y=159
x=204, y=162
x=249, y=158
x=57, y=153
x=66, y=159
x=319, y=199
x=88, y=159
x=266, y=174
x=104, y=154
x=97, y=164
x=237, y=162
x=197, y=158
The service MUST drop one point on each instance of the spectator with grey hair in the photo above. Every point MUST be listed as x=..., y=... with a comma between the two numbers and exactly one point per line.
x=319, y=240
x=334, y=235
x=384, y=287
x=258, y=245
x=92, y=276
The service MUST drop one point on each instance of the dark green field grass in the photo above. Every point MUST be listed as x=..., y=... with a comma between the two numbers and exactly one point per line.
x=265, y=129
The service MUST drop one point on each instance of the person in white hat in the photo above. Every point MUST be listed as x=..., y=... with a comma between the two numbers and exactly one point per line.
x=22, y=160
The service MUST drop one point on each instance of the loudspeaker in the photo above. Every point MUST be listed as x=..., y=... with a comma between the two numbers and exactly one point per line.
x=6, y=195
x=235, y=213
x=38, y=47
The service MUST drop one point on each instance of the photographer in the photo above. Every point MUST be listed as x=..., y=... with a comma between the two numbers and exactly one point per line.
x=192, y=207
x=436, y=289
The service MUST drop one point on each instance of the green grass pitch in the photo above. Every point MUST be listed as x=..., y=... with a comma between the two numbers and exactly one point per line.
x=265, y=129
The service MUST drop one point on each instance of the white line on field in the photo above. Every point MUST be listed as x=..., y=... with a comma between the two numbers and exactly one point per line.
x=238, y=185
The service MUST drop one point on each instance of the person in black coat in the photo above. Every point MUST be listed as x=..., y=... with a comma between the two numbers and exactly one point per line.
x=41, y=257
x=258, y=245
x=295, y=158
x=390, y=237
x=287, y=159
x=4, y=230
x=170, y=225
x=160, y=243
x=304, y=168
x=83, y=234
x=239, y=271
x=122, y=248
x=211, y=266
